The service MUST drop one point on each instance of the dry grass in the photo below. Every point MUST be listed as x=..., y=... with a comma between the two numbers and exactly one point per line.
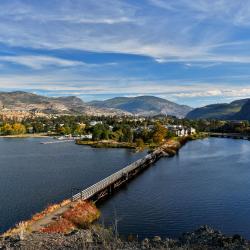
x=60, y=226
x=80, y=215
x=171, y=146
x=50, y=209
x=19, y=229
x=25, y=225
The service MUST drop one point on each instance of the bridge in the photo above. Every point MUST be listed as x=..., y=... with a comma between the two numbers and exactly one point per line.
x=230, y=135
x=106, y=186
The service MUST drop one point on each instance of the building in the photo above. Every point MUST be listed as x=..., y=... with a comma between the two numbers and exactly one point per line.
x=180, y=130
x=86, y=136
x=93, y=123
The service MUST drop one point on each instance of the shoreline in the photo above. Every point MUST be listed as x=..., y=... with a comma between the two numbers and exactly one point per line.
x=131, y=145
x=106, y=144
x=26, y=136
x=99, y=237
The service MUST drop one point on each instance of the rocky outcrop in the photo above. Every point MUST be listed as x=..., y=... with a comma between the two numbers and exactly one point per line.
x=98, y=237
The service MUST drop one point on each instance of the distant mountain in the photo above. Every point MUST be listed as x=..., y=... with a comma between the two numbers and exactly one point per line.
x=23, y=101
x=141, y=105
x=244, y=113
x=226, y=111
x=144, y=105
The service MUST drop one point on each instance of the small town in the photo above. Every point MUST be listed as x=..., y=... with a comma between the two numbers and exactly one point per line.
x=134, y=132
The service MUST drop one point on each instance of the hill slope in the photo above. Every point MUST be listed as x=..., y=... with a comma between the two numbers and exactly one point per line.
x=144, y=105
x=244, y=113
x=218, y=111
x=23, y=101
x=31, y=102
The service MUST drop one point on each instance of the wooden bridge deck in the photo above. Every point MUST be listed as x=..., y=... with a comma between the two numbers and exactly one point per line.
x=122, y=174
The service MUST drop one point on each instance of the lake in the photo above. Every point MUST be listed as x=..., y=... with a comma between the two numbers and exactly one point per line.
x=33, y=175
x=208, y=182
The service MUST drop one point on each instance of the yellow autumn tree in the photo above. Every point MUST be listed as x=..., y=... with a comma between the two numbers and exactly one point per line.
x=18, y=129
x=159, y=133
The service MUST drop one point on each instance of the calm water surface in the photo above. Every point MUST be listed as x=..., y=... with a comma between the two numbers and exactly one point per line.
x=207, y=183
x=33, y=175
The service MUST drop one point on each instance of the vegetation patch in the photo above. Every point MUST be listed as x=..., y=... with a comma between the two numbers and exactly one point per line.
x=80, y=215
x=50, y=209
x=60, y=226
x=107, y=144
x=25, y=226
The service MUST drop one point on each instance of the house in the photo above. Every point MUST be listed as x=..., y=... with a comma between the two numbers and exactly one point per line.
x=93, y=123
x=86, y=136
x=180, y=130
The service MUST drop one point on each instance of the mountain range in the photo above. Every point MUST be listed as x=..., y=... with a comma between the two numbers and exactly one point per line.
x=144, y=106
x=141, y=105
x=29, y=102
x=236, y=110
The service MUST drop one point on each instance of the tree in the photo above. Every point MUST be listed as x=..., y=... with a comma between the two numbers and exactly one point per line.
x=7, y=129
x=79, y=130
x=127, y=134
x=97, y=132
x=105, y=134
x=117, y=135
x=159, y=134
x=18, y=129
x=38, y=127
x=101, y=132
x=139, y=143
x=15, y=129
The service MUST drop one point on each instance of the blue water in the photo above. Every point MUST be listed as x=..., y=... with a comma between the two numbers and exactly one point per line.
x=33, y=175
x=208, y=182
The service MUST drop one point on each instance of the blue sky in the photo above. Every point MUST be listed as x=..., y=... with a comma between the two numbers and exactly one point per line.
x=191, y=52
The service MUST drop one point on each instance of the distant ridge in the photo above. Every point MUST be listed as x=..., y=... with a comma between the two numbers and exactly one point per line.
x=226, y=111
x=141, y=105
x=24, y=101
x=244, y=113
x=144, y=105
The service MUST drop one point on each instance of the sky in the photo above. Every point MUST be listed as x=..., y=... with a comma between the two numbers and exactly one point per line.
x=190, y=52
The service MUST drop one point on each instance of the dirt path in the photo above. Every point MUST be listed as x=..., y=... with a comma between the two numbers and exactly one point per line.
x=38, y=225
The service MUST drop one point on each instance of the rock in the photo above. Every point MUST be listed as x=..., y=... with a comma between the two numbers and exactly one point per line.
x=157, y=239
x=145, y=243
x=98, y=237
x=89, y=237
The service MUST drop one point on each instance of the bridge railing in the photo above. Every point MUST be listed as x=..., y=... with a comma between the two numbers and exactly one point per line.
x=92, y=190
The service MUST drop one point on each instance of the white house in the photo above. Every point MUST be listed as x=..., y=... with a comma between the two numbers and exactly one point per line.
x=93, y=123
x=86, y=136
x=180, y=130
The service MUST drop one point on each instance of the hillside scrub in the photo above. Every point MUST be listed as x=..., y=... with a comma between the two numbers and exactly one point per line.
x=80, y=215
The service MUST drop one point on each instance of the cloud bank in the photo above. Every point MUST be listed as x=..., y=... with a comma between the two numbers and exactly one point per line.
x=172, y=45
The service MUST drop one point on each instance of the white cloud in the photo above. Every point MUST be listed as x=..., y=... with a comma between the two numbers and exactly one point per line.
x=200, y=34
x=39, y=62
x=172, y=89
x=184, y=31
